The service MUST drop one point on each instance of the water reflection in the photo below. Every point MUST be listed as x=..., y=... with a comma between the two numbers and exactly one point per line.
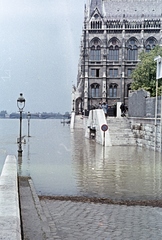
x=64, y=162
x=116, y=172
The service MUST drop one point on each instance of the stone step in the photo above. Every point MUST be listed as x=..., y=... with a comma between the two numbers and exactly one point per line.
x=120, y=131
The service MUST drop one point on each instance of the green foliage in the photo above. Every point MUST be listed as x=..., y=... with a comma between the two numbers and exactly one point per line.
x=144, y=76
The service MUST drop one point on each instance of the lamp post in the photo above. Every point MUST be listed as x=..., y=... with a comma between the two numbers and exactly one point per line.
x=20, y=105
x=29, y=115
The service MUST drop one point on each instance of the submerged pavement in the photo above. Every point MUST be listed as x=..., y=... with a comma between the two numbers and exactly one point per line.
x=68, y=220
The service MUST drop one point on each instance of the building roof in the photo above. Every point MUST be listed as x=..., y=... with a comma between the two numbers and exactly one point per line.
x=132, y=9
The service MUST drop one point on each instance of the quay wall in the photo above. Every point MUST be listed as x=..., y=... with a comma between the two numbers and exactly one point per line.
x=9, y=201
x=144, y=113
x=146, y=133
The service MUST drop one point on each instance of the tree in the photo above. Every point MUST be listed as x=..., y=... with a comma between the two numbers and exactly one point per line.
x=144, y=76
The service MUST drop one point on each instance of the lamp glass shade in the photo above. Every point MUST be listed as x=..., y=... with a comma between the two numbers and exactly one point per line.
x=21, y=102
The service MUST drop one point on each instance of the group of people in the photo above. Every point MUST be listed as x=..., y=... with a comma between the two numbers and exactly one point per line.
x=104, y=106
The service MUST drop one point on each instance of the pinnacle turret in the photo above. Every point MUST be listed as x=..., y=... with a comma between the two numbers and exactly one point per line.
x=96, y=4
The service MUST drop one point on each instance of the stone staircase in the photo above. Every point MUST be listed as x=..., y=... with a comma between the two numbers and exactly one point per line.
x=120, y=131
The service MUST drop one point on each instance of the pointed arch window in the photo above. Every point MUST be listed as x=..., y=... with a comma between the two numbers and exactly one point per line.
x=150, y=44
x=98, y=53
x=95, y=90
x=113, y=53
x=132, y=52
x=113, y=90
x=92, y=53
x=95, y=50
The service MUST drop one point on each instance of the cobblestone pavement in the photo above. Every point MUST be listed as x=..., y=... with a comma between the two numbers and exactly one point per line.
x=77, y=221
x=67, y=220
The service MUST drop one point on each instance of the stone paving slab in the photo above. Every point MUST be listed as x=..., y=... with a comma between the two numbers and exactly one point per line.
x=86, y=221
x=31, y=221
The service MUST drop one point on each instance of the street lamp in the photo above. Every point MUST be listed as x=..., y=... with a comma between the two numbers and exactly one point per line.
x=29, y=115
x=20, y=105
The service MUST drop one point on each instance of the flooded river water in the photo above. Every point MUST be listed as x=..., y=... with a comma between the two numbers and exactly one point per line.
x=64, y=162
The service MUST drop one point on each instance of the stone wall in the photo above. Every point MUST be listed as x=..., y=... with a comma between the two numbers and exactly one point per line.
x=146, y=132
x=140, y=104
x=141, y=111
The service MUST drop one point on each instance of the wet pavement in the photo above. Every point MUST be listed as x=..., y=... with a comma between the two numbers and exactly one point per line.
x=68, y=220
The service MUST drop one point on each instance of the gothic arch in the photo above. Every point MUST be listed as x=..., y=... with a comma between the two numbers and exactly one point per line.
x=150, y=43
x=132, y=41
x=114, y=42
x=95, y=42
x=79, y=105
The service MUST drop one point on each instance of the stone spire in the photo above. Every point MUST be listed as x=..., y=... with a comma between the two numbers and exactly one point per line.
x=96, y=4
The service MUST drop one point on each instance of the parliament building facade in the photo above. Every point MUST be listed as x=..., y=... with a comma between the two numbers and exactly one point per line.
x=115, y=32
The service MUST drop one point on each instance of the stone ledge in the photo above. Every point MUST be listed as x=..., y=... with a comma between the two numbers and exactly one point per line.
x=9, y=201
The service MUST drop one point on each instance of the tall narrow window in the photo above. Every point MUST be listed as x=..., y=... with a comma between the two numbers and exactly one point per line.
x=116, y=53
x=92, y=53
x=129, y=72
x=113, y=73
x=95, y=50
x=95, y=90
x=132, y=52
x=95, y=72
x=98, y=53
x=113, y=53
x=113, y=90
x=95, y=53
x=110, y=91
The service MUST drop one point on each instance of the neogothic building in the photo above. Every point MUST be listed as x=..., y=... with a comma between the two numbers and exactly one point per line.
x=114, y=34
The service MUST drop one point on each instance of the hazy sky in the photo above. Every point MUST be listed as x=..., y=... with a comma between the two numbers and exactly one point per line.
x=39, y=53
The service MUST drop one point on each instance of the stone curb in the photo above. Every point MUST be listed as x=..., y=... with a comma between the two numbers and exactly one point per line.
x=9, y=201
x=44, y=222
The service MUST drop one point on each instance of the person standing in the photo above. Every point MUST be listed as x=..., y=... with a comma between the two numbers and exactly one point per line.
x=105, y=108
x=123, y=110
